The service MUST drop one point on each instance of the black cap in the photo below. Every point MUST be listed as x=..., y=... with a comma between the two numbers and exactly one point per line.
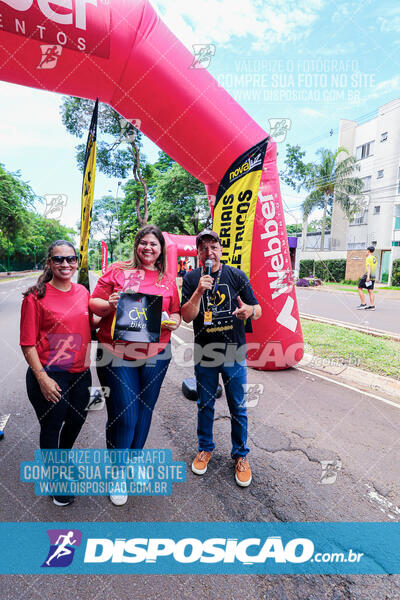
x=371, y=248
x=206, y=233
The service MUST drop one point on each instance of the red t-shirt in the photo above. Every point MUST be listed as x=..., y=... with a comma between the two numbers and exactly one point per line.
x=58, y=325
x=144, y=281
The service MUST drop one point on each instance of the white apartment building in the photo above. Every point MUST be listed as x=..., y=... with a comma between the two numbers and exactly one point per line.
x=376, y=146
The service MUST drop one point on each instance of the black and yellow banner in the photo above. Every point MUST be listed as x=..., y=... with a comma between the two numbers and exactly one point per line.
x=87, y=198
x=235, y=207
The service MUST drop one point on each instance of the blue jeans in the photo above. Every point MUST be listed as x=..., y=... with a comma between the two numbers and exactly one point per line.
x=234, y=378
x=134, y=391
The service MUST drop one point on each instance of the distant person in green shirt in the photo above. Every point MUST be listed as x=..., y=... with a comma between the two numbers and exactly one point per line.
x=367, y=281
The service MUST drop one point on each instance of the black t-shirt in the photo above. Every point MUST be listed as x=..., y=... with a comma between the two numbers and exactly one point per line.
x=225, y=327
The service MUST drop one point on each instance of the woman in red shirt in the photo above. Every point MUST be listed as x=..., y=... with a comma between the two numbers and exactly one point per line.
x=134, y=372
x=54, y=338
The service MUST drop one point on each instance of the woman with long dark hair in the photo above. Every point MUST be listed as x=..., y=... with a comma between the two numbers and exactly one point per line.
x=54, y=338
x=134, y=372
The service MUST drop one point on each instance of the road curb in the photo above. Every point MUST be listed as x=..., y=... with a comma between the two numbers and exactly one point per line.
x=320, y=289
x=363, y=380
x=361, y=328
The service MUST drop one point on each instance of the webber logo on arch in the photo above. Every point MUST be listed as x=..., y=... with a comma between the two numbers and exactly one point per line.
x=74, y=24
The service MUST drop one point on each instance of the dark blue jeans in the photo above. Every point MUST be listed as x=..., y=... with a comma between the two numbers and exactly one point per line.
x=134, y=390
x=234, y=378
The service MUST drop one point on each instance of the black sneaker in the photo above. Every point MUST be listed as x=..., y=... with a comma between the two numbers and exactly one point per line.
x=370, y=308
x=63, y=500
x=361, y=307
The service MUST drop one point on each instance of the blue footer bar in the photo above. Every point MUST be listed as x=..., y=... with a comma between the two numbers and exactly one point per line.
x=200, y=548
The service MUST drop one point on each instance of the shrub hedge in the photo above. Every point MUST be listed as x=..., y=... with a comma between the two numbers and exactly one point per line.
x=326, y=270
x=396, y=272
x=306, y=268
x=330, y=270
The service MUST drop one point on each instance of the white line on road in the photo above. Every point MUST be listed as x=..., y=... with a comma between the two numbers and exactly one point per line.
x=349, y=387
x=345, y=385
x=4, y=420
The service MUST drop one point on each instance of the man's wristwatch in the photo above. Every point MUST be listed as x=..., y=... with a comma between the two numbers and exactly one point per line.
x=253, y=314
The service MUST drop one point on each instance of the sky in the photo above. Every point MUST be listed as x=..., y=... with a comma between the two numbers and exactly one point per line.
x=303, y=63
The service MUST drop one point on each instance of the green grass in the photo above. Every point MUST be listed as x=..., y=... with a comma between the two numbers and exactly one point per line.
x=351, y=287
x=375, y=354
x=344, y=286
x=5, y=278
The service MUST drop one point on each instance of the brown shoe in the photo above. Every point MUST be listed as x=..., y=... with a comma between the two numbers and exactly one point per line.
x=242, y=471
x=199, y=465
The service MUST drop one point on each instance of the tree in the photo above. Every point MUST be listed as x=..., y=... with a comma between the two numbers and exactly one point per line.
x=293, y=229
x=333, y=181
x=330, y=180
x=105, y=222
x=30, y=245
x=297, y=175
x=115, y=157
x=180, y=204
x=15, y=196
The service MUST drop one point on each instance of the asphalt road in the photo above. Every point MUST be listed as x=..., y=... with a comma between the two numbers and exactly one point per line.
x=298, y=421
x=341, y=306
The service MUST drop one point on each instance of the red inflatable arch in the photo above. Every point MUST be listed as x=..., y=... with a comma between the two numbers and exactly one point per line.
x=122, y=53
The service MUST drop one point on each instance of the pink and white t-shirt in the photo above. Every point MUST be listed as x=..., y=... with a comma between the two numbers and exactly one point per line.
x=144, y=281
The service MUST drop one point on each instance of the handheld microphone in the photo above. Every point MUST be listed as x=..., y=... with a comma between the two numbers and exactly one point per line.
x=208, y=266
x=207, y=271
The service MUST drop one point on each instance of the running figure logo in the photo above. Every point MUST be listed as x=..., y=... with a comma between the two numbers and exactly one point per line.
x=63, y=543
x=63, y=348
x=279, y=128
x=50, y=56
x=202, y=56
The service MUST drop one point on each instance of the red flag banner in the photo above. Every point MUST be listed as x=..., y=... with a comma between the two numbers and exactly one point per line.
x=104, y=257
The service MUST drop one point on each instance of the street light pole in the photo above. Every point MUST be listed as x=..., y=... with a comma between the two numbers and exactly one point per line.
x=119, y=230
x=117, y=211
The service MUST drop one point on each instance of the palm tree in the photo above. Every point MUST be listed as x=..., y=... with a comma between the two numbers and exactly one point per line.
x=332, y=180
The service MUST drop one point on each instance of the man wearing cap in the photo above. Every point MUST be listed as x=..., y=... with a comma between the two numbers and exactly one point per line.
x=367, y=281
x=219, y=300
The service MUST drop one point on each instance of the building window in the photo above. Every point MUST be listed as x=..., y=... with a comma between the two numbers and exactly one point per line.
x=397, y=216
x=365, y=150
x=356, y=245
x=366, y=183
x=377, y=210
x=379, y=175
x=384, y=136
x=360, y=218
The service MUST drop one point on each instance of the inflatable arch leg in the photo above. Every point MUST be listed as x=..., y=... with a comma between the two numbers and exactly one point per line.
x=122, y=53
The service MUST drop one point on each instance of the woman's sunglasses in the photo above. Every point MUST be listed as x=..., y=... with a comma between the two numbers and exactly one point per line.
x=58, y=260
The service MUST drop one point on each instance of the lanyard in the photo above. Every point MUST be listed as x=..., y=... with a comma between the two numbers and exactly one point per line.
x=211, y=297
